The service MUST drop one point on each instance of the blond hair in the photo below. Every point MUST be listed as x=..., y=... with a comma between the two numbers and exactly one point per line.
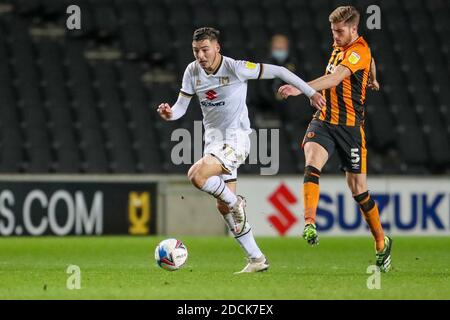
x=346, y=14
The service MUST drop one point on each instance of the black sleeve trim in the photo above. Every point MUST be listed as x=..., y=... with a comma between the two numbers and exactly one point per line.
x=261, y=70
x=188, y=95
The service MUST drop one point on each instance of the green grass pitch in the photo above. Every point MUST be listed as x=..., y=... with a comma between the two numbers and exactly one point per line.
x=124, y=268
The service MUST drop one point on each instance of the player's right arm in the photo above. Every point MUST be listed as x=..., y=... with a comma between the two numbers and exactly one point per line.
x=355, y=59
x=177, y=111
x=324, y=82
x=184, y=98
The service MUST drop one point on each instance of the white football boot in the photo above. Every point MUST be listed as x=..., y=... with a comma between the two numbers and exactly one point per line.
x=255, y=265
x=239, y=216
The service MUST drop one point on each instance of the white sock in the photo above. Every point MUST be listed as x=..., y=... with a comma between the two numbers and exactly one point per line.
x=229, y=221
x=247, y=241
x=216, y=187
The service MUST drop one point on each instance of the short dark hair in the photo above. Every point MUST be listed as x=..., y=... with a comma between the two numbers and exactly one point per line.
x=206, y=33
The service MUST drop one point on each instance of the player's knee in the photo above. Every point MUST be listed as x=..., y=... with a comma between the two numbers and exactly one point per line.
x=197, y=181
x=315, y=155
x=358, y=189
x=357, y=186
x=314, y=162
x=191, y=173
x=195, y=177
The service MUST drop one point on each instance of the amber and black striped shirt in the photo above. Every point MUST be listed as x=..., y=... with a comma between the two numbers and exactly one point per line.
x=345, y=102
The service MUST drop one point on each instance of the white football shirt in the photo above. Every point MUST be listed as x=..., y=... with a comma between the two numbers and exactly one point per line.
x=223, y=94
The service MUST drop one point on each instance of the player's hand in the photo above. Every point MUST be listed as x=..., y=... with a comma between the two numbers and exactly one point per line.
x=373, y=85
x=287, y=90
x=165, y=111
x=317, y=101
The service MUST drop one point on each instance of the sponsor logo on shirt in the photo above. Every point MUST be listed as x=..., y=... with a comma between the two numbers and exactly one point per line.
x=250, y=65
x=211, y=95
x=212, y=104
x=354, y=58
x=331, y=68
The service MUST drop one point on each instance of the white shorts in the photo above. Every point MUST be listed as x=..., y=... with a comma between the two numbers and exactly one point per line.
x=231, y=153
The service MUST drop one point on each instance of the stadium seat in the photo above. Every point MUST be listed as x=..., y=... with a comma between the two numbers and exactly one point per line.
x=67, y=160
x=154, y=14
x=204, y=16
x=11, y=159
x=134, y=41
x=95, y=160
x=159, y=47
x=412, y=146
x=25, y=7
x=438, y=143
x=229, y=17
x=382, y=127
x=53, y=8
x=105, y=19
x=40, y=160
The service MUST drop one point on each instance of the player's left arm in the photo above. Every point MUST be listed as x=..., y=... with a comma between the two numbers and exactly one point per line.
x=270, y=71
x=250, y=70
x=373, y=82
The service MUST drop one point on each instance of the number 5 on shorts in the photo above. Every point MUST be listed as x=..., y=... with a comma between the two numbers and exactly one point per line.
x=354, y=154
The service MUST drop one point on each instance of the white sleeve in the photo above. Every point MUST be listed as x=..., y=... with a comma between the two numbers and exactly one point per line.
x=186, y=93
x=187, y=86
x=180, y=107
x=246, y=70
x=270, y=71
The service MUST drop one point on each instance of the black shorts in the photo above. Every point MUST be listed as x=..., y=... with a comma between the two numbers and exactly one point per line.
x=350, y=143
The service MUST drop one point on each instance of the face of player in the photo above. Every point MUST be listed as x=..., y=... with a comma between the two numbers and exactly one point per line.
x=343, y=34
x=206, y=52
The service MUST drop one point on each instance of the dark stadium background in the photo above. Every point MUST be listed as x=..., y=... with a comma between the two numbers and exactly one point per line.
x=83, y=101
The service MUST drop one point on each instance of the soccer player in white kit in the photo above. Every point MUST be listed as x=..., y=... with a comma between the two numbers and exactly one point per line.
x=220, y=83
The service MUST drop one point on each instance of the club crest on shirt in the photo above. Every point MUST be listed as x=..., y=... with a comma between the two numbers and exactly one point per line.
x=198, y=83
x=224, y=81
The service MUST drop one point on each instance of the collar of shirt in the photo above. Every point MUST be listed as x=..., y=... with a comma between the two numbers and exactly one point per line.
x=217, y=70
x=357, y=40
